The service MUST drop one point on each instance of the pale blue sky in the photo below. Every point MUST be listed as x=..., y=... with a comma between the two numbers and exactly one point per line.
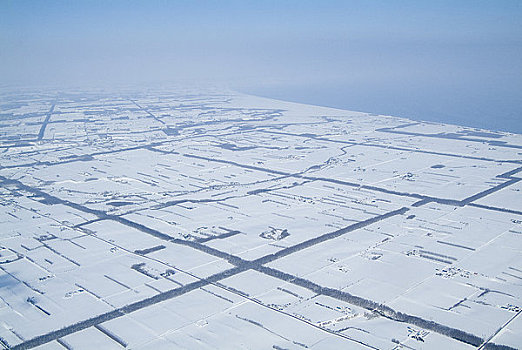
x=451, y=61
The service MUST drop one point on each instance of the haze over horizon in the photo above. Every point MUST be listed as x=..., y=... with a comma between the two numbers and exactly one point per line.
x=458, y=63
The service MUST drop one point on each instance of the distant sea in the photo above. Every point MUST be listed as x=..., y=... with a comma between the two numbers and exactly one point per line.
x=483, y=108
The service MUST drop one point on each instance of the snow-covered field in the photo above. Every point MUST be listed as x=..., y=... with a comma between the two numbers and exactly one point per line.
x=203, y=219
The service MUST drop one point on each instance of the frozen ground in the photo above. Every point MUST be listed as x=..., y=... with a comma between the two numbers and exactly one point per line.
x=206, y=219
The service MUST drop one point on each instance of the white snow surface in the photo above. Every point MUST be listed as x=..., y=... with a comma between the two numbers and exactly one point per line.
x=138, y=219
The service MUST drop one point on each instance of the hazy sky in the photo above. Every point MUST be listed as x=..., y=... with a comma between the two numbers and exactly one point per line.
x=452, y=61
